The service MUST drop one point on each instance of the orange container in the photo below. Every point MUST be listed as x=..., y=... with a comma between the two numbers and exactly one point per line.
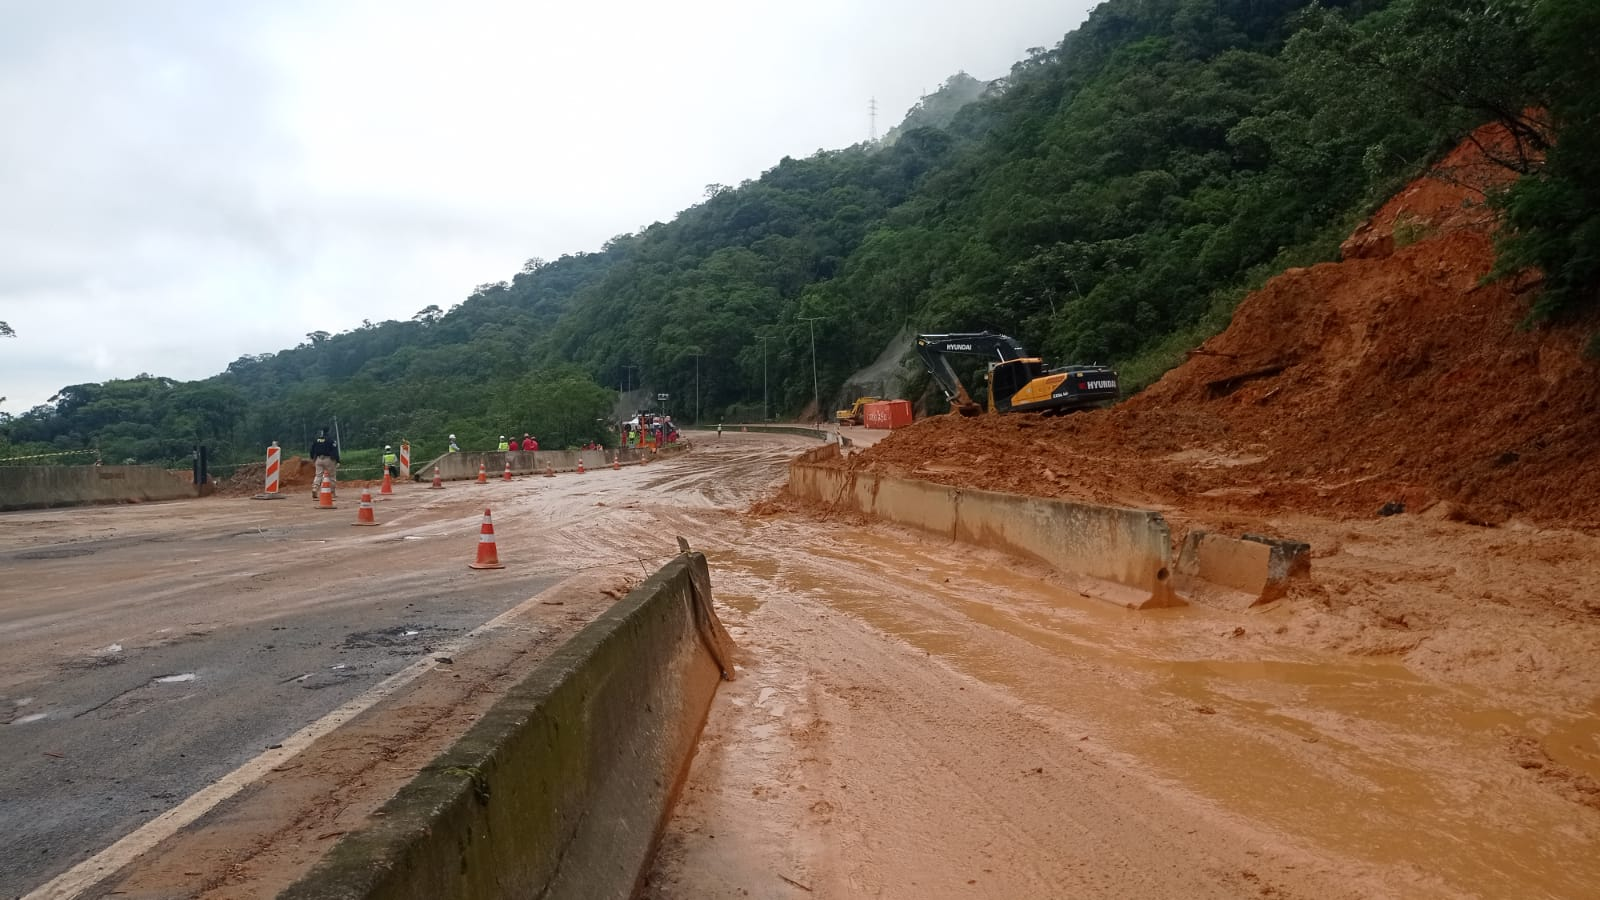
x=887, y=414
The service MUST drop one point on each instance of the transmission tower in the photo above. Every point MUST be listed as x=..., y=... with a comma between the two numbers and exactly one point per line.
x=872, y=120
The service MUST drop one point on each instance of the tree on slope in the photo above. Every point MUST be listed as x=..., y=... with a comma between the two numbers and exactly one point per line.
x=1450, y=66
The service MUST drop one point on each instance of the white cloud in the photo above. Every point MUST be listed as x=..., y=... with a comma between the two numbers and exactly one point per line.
x=185, y=182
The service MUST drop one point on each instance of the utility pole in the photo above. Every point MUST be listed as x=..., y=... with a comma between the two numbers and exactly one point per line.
x=872, y=120
x=816, y=396
x=766, y=409
x=627, y=374
x=696, y=387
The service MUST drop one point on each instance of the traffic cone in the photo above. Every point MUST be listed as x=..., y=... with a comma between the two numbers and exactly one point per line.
x=438, y=483
x=616, y=462
x=507, y=476
x=488, y=558
x=549, y=471
x=483, y=474
x=364, y=514
x=325, y=493
x=388, y=484
x=580, y=465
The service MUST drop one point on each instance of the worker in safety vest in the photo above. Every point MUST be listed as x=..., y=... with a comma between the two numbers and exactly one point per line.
x=504, y=444
x=391, y=461
x=453, y=447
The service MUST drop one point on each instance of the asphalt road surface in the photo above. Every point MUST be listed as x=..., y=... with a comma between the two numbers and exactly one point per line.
x=147, y=651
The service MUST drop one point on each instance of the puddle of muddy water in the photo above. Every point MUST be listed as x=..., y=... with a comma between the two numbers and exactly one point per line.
x=744, y=604
x=1358, y=755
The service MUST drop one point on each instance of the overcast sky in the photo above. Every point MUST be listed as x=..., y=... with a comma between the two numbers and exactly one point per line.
x=183, y=183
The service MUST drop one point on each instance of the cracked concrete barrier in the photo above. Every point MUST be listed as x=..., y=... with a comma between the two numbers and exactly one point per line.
x=1125, y=553
x=561, y=789
x=1240, y=571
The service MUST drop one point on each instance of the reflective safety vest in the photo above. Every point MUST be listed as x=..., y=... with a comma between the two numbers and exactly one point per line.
x=391, y=459
x=504, y=446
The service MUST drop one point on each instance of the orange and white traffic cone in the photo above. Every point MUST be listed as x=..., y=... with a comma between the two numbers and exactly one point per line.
x=438, y=483
x=507, y=476
x=580, y=465
x=488, y=557
x=616, y=462
x=388, y=485
x=325, y=493
x=483, y=474
x=364, y=514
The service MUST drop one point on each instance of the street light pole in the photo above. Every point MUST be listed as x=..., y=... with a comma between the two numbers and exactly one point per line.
x=766, y=409
x=816, y=396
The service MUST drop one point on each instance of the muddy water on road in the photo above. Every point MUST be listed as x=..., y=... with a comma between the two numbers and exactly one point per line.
x=1355, y=759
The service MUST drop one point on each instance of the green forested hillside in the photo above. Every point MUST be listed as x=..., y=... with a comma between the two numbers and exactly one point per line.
x=1109, y=200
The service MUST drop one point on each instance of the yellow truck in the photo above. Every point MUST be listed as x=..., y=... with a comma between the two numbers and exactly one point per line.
x=853, y=415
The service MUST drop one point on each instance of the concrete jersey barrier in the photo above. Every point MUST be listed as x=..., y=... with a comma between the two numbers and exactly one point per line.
x=1240, y=572
x=821, y=434
x=464, y=465
x=1127, y=551
x=42, y=487
x=560, y=790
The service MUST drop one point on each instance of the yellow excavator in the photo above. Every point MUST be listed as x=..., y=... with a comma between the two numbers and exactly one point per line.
x=1017, y=382
x=856, y=412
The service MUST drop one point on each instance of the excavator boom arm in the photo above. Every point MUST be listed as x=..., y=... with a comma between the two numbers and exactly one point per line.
x=954, y=391
x=934, y=348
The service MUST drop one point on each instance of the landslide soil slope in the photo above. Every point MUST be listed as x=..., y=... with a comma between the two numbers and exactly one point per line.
x=1394, y=375
x=1397, y=375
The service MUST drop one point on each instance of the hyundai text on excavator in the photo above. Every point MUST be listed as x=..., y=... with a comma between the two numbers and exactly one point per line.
x=1017, y=382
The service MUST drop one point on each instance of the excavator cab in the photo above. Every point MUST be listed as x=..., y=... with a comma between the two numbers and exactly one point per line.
x=1007, y=379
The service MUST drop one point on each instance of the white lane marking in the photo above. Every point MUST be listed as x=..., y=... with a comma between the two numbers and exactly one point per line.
x=175, y=679
x=108, y=862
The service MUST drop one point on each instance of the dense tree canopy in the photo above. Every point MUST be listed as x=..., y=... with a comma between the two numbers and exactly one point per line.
x=1110, y=200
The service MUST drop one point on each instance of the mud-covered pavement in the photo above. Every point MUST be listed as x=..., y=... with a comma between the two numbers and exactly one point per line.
x=912, y=718
x=919, y=719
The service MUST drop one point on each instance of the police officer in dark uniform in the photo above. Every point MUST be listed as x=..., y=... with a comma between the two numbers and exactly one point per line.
x=325, y=455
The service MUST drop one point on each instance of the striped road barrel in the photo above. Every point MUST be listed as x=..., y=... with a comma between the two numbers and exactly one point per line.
x=274, y=459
